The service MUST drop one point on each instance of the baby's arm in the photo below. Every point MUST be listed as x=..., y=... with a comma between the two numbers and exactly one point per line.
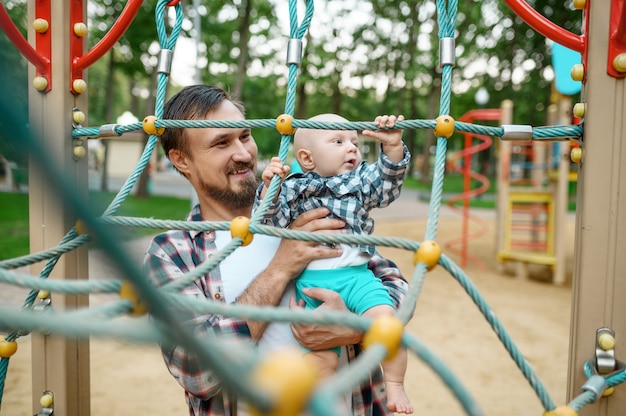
x=275, y=167
x=390, y=139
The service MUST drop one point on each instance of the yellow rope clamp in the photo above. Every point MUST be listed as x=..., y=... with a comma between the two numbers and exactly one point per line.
x=444, y=126
x=428, y=253
x=385, y=330
x=284, y=125
x=129, y=293
x=288, y=379
x=148, y=126
x=7, y=348
x=240, y=228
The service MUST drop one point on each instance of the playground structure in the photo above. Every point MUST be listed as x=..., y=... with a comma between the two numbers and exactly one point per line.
x=61, y=365
x=533, y=180
x=532, y=183
x=504, y=116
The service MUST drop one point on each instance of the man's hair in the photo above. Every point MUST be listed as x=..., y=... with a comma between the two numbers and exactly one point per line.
x=191, y=103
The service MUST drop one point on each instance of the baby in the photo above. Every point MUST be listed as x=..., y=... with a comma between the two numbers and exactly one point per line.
x=335, y=176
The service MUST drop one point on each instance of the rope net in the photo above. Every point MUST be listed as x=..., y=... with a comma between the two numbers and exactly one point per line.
x=166, y=302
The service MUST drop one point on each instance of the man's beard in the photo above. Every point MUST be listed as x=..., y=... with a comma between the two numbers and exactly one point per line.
x=233, y=200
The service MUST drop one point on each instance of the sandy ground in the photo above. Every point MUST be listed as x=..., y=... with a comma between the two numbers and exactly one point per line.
x=130, y=379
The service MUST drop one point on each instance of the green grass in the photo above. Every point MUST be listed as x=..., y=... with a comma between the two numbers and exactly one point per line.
x=454, y=184
x=451, y=184
x=13, y=225
x=14, y=217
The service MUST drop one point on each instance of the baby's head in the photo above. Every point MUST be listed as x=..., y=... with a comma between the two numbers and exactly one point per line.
x=327, y=152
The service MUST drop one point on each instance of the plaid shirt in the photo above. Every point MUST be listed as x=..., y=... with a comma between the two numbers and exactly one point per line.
x=174, y=253
x=349, y=196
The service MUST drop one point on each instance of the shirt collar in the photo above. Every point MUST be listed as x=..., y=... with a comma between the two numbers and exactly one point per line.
x=196, y=215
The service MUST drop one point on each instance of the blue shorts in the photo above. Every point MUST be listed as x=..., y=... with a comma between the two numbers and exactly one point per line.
x=357, y=285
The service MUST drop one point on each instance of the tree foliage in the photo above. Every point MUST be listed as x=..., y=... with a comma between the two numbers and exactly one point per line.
x=361, y=58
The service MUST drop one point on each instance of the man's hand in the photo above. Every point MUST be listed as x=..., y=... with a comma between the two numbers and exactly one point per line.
x=293, y=256
x=321, y=337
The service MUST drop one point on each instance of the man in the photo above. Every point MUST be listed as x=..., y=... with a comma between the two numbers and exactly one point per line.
x=220, y=164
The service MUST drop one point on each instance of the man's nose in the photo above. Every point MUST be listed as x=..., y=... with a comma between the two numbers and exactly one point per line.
x=242, y=154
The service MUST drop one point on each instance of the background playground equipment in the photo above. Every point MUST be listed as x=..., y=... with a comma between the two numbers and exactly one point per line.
x=598, y=248
x=533, y=180
x=465, y=156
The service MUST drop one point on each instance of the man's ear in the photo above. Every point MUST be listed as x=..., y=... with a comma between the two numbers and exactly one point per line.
x=305, y=159
x=179, y=160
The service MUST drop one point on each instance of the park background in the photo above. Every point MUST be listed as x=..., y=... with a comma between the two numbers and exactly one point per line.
x=384, y=62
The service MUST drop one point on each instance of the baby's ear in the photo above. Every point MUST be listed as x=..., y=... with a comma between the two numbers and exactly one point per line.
x=305, y=159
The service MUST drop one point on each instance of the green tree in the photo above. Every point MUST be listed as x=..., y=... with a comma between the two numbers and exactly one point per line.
x=14, y=66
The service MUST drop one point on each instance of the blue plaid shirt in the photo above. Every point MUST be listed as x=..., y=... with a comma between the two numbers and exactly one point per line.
x=174, y=253
x=349, y=196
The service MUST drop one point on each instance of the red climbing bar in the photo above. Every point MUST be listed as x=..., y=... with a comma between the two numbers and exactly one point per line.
x=79, y=63
x=617, y=36
x=40, y=60
x=545, y=26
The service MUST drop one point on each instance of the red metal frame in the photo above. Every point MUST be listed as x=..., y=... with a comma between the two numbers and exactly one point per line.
x=534, y=19
x=80, y=62
x=480, y=114
x=41, y=55
x=546, y=27
x=617, y=36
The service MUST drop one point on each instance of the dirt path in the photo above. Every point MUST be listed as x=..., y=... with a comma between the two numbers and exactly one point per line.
x=129, y=379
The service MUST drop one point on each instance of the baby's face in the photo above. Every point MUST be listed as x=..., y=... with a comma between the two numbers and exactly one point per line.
x=336, y=152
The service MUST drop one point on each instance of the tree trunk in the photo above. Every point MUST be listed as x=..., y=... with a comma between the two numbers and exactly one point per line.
x=244, y=38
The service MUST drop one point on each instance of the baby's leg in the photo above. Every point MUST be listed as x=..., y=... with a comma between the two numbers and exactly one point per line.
x=326, y=362
x=393, y=370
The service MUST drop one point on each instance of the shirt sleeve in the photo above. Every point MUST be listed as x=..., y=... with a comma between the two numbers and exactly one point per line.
x=164, y=263
x=391, y=277
x=279, y=213
x=382, y=181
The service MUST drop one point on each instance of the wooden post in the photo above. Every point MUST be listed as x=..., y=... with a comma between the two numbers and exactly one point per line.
x=561, y=192
x=502, y=174
x=59, y=365
x=599, y=286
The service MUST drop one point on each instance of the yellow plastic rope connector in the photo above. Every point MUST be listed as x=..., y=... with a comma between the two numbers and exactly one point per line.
x=386, y=330
x=288, y=379
x=428, y=253
x=128, y=292
x=284, y=125
x=240, y=227
x=7, y=348
x=81, y=227
x=444, y=126
x=148, y=126
x=561, y=411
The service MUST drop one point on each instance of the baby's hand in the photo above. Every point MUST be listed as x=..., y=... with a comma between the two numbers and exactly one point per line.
x=275, y=167
x=390, y=139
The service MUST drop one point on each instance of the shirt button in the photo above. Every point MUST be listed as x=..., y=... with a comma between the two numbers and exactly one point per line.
x=218, y=296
